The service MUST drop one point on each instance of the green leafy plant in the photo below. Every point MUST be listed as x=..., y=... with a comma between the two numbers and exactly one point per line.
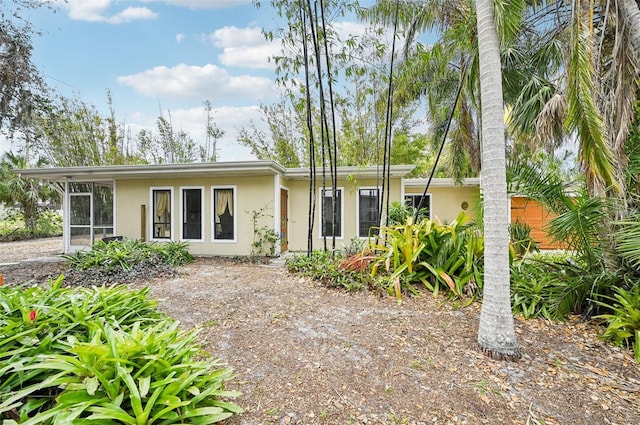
x=174, y=253
x=556, y=285
x=623, y=321
x=534, y=290
x=13, y=228
x=440, y=256
x=521, y=241
x=335, y=271
x=105, y=355
x=116, y=255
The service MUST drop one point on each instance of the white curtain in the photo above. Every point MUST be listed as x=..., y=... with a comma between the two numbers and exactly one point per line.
x=224, y=200
x=163, y=204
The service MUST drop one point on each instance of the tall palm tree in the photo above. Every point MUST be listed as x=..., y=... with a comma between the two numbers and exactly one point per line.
x=26, y=193
x=572, y=70
x=496, y=334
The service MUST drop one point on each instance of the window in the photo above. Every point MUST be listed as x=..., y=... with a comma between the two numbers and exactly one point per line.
x=414, y=202
x=224, y=214
x=192, y=213
x=368, y=212
x=327, y=226
x=161, y=218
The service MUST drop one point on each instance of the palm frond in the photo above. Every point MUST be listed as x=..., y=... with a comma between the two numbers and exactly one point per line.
x=583, y=116
x=627, y=238
x=581, y=227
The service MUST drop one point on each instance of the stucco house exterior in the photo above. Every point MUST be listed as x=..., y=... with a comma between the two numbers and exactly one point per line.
x=213, y=205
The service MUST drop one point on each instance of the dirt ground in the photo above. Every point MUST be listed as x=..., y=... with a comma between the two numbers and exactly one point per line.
x=304, y=354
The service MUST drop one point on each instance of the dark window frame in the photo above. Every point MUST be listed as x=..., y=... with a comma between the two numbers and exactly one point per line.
x=365, y=224
x=326, y=213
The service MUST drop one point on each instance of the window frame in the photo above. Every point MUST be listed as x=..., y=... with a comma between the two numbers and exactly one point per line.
x=234, y=189
x=419, y=195
x=369, y=188
x=321, y=193
x=152, y=237
x=182, y=211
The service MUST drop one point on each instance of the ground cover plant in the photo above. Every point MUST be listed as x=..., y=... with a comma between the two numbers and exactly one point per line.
x=334, y=270
x=125, y=260
x=104, y=355
x=122, y=255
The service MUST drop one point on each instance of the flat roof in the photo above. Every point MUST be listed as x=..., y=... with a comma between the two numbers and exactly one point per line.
x=227, y=168
x=442, y=182
x=369, y=172
x=112, y=172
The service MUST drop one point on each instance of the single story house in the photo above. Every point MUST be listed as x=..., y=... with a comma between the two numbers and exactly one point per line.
x=218, y=207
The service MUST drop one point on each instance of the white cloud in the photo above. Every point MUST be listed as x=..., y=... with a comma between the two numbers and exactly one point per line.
x=197, y=83
x=98, y=11
x=132, y=14
x=348, y=29
x=237, y=37
x=180, y=38
x=244, y=47
x=256, y=57
x=203, y=4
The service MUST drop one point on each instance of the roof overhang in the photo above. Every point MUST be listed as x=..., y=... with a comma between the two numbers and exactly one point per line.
x=117, y=172
x=443, y=182
x=370, y=172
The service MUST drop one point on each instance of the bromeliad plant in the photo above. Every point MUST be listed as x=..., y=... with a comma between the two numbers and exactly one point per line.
x=623, y=319
x=115, y=256
x=441, y=256
x=104, y=355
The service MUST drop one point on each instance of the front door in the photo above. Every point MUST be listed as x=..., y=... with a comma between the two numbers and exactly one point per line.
x=80, y=223
x=284, y=220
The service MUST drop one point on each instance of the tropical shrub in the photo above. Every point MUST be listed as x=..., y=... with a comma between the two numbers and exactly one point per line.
x=104, y=355
x=521, y=241
x=13, y=228
x=556, y=285
x=628, y=241
x=623, y=319
x=115, y=255
x=174, y=253
x=440, y=256
x=539, y=286
x=399, y=213
x=334, y=271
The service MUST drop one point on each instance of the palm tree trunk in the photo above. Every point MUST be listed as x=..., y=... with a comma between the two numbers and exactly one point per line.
x=630, y=11
x=496, y=334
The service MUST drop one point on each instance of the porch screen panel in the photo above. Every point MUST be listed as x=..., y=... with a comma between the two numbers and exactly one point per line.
x=102, y=210
x=80, y=210
x=224, y=214
x=327, y=213
x=192, y=214
x=368, y=213
x=162, y=214
x=80, y=219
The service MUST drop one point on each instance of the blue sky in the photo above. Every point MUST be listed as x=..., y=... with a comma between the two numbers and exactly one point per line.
x=159, y=55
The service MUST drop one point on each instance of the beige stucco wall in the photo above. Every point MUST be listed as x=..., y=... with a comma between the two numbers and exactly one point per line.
x=252, y=194
x=299, y=210
x=446, y=202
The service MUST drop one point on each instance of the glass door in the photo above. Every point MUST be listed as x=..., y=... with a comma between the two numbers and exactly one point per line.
x=80, y=223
